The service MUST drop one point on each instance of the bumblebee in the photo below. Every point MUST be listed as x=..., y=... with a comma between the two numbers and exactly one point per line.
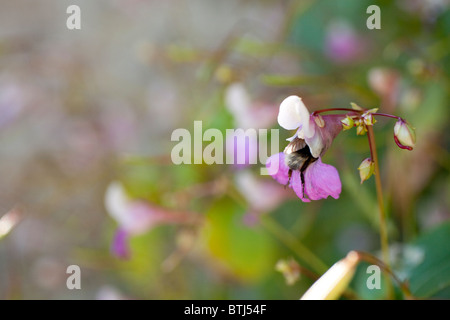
x=298, y=157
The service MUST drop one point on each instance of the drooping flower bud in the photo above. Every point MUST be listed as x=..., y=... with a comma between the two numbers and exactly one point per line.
x=366, y=169
x=404, y=134
x=347, y=123
x=333, y=283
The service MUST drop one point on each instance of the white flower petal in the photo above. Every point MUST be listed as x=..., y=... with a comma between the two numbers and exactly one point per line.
x=292, y=138
x=307, y=129
x=116, y=201
x=238, y=103
x=315, y=144
x=132, y=216
x=293, y=113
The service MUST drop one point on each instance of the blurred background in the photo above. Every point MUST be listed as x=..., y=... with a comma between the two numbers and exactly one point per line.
x=86, y=118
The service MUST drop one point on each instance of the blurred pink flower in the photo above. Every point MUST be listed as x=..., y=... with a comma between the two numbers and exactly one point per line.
x=428, y=10
x=261, y=195
x=248, y=114
x=135, y=217
x=342, y=43
x=108, y=292
x=386, y=83
x=119, y=126
x=12, y=102
x=120, y=245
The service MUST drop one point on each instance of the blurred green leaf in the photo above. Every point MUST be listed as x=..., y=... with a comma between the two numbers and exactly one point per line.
x=283, y=80
x=360, y=284
x=246, y=251
x=433, y=274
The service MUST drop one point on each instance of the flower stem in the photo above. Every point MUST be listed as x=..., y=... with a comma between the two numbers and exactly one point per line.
x=382, y=213
x=385, y=115
x=363, y=256
x=294, y=244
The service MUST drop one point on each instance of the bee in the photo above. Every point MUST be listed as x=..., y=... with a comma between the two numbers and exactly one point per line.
x=298, y=157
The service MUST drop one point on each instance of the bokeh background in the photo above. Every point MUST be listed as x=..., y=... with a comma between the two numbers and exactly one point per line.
x=91, y=110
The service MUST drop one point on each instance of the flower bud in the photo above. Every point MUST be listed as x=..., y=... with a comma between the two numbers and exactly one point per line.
x=347, y=123
x=369, y=120
x=404, y=135
x=333, y=283
x=361, y=129
x=366, y=169
x=355, y=106
x=290, y=270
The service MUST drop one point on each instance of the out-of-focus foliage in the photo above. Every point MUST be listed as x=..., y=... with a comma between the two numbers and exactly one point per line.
x=80, y=109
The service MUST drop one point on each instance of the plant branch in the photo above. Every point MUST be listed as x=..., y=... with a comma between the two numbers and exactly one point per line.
x=382, y=213
x=294, y=244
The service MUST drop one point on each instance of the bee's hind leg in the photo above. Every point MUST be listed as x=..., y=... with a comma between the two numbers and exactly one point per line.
x=289, y=180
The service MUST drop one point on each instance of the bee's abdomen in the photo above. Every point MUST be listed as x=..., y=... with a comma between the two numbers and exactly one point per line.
x=300, y=159
x=294, y=161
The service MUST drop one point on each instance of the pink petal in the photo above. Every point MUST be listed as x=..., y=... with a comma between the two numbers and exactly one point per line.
x=119, y=246
x=322, y=180
x=277, y=168
x=262, y=195
x=296, y=184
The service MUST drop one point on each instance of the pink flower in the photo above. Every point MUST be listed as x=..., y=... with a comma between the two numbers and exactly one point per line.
x=119, y=245
x=135, y=217
x=342, y=43
x=262, y=195
x=12, y=103
x=317, y=181
x=300, y=166
x=248, y=114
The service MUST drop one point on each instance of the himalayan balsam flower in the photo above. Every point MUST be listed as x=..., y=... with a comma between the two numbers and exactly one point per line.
x=300, y=166
x=262, y=195
x=134, y=217
x=342, y=43
x=247, y=115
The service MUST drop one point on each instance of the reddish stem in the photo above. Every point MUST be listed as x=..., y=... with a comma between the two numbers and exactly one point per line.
x=386, y=115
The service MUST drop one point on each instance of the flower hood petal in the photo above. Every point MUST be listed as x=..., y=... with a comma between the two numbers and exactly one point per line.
x=323, y=137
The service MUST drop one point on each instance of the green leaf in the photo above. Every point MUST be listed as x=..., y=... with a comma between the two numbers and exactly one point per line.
x=246, y=252
x=432, y=275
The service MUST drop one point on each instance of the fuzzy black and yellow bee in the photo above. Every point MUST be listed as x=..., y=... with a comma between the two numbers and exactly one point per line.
x=298, y=158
